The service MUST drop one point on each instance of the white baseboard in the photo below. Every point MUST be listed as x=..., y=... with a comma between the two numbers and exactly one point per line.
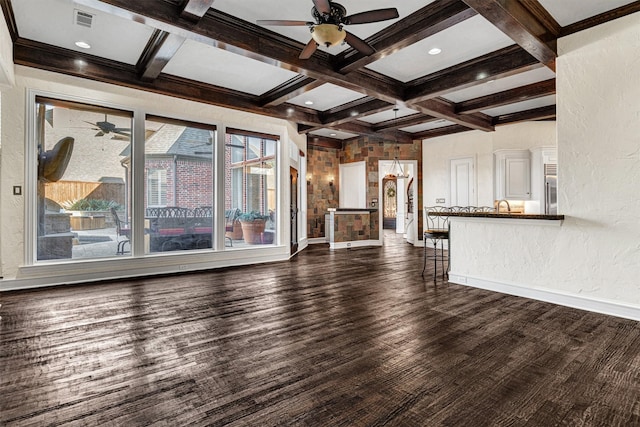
x=317, y=240
x=354, y=244
x=611, y=308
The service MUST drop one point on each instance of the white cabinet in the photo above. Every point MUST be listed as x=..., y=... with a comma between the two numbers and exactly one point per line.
x=513, y=174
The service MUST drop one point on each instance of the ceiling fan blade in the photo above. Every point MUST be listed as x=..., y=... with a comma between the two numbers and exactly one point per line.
x=99, y=134
x=322, y=6
x=308, y=49
x=283, y=22
x=358, y=44
x=371, y=16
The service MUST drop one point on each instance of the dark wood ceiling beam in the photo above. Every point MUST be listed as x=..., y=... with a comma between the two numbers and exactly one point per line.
x=424, y=23
x=289, y=90
x=517, y=22
x=601, y=19
x=543, y=16
x=540, y=113
x=353, y=111
x=324, y=142
x=360, y=128
x=501, y=63
x=64, y=61
x=162, y=46
x=402, y=122
x=441, y=131
x=243, y=38
x=523, y=93
x=10, y=19
x=195, y=9
x=443, y=109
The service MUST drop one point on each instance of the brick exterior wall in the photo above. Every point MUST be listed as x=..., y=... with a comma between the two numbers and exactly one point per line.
x=193, y=181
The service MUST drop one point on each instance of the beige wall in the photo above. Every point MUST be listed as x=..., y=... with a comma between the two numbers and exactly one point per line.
x=12, y=170
x=593, y=260
x=438, y=152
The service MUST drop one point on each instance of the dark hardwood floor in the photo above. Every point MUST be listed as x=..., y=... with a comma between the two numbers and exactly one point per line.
x=345, y=338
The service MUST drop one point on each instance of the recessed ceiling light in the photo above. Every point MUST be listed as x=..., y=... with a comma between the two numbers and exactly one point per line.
x=333, y=134
x=290, y=110
x=309, y=102
x=83, y=45
x=435, y=51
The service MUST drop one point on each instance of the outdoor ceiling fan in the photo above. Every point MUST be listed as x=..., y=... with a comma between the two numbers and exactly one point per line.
x=327, y=29
x=107, y=127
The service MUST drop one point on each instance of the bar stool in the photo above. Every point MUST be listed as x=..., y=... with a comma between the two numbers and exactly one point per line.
x=437, y=231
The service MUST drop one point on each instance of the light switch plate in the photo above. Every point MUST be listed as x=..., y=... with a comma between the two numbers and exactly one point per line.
x=17, y=190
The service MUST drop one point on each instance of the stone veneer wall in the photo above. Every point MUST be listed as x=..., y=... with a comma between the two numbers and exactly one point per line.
x=322, y=163
x=371, y=151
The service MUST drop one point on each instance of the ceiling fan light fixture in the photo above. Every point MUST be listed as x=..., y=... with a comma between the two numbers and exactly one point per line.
x=328, y=34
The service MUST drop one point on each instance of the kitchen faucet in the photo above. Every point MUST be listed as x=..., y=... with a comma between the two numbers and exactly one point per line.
x=500, y=202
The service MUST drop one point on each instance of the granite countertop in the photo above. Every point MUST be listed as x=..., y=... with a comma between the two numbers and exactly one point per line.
x=500, y=215
x=352, y=210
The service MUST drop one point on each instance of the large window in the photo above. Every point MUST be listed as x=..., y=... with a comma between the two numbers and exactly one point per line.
x=179, y=185
x=87, y=202
x=82, y=182
x=250, y=188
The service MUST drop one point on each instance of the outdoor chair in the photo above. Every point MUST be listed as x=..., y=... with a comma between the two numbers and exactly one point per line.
x=123, y=230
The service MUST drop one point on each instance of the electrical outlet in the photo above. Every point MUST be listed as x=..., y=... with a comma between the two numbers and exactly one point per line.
x=182, y=267
x=440, y=200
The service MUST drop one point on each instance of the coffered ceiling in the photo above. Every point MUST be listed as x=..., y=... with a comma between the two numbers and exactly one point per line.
x=496, y=65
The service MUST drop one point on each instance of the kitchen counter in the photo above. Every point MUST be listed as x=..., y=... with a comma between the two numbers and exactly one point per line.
x=502, y=215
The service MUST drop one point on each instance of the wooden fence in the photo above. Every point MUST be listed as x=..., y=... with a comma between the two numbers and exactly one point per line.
x=63, y=191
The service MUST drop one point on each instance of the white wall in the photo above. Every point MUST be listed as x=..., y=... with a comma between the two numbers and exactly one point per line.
x=438, y=152
x=12, y=169
x=593, y=260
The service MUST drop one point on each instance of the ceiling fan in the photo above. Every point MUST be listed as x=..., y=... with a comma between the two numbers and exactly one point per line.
x=107, y=127
x=327, y=29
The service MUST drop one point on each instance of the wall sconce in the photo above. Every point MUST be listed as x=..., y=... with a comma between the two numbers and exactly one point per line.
x=331, y=183
x=309, y=179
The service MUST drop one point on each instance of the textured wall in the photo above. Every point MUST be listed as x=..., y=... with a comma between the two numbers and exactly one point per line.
x=595, y=254
x=370, y=151
x=322, y=163
x=438, y=152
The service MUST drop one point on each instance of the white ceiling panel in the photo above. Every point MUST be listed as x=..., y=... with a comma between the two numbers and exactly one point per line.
x=300, y=10
x=330, y=133
x=570, y=11
x=197, y=61
x=499, y=85
x=470, y=39
x=427, y=126
x=325, y=97
x=522, y=106
x=383, y=116
x=52, y=22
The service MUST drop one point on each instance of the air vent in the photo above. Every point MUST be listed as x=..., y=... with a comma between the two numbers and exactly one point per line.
x=83, y=19
x=550, y=169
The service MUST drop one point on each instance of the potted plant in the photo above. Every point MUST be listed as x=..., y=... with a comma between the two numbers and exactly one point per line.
x=252, y=226
x=89, y=214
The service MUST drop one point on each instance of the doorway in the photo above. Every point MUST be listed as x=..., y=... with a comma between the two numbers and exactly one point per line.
x=389, y=202
x=293, y=179
x=463, y=182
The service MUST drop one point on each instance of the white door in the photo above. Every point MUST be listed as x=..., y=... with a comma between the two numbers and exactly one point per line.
x=401, y=208
x=353, y=185
x=463, y=182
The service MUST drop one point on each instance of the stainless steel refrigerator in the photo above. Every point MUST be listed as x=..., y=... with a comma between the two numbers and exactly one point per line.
x=551, y=189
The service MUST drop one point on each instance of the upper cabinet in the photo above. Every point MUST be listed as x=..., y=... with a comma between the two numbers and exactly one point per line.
x=512, y=174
